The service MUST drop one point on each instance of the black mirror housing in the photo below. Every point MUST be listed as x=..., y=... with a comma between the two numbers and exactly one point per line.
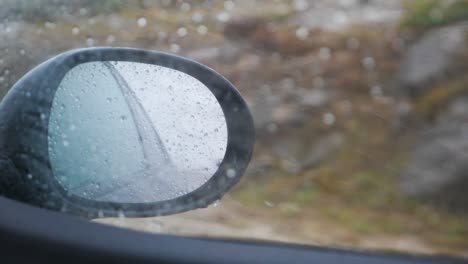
x=24, y=118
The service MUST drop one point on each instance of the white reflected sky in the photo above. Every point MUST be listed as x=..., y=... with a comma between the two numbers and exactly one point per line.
x=186, y=114
x=102, y=143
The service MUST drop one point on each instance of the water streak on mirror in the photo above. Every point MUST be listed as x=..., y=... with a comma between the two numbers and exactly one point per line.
x=133, y=132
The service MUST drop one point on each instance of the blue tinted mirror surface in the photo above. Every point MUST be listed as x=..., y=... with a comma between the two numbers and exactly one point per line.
x=133, y=132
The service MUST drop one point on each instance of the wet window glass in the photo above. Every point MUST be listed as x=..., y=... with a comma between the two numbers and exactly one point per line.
x=360, y=111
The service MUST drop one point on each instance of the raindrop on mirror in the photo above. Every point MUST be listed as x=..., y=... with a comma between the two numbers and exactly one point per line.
x=134, y=132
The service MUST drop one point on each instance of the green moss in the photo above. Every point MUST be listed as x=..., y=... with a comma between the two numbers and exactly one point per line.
x=393, y=226
x=430, y=13
x=253, y=194
x=305, y=197
x=366, y=180
x=362, y=227
x=438, y=97
x=457, y=231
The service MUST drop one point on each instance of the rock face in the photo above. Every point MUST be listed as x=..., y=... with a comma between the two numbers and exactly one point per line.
x=432, y=57
x=438, y=166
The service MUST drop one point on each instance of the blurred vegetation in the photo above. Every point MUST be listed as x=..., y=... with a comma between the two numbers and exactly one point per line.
x=49, y=10
x=431, y=13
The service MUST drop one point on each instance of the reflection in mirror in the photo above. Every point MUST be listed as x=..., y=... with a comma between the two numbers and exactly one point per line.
x=131, y=132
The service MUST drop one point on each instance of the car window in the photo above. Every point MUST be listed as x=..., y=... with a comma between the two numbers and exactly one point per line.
x=360, y=110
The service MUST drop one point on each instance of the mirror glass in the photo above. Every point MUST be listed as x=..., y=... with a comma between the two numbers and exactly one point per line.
x=134, y=133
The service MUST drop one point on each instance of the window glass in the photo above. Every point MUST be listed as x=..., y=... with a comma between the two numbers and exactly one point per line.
x=360, y=109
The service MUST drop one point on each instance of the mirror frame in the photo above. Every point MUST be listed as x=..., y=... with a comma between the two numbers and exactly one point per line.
x=40, y=85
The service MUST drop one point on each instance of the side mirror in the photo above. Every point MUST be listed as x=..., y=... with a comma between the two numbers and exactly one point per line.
x=107, y=131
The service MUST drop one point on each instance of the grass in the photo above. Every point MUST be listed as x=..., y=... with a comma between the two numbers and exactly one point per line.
x=356, y=189
x=360, y=216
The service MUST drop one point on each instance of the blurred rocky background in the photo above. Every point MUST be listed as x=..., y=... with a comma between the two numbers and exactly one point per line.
x=360, y=107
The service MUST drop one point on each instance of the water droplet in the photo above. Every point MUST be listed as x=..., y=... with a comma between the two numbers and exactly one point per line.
x=216, y=203
x=89, y=42
x=272, y=128
x=197, y=17
x=328, y=119
x=121, y=215
x=300, y=5
x=229, y=5
x=182, y=32
x=376, y=91
x=162, y=35
x=75, y=31
x=202, y=30
x=324, y=53
x=231, y=173
x=223, y=17
x=83, y=11
x=368, y=63
x=185, y=7
x=141, y=22
x=174, y=48
x=50, y=25
x=65, y=143
x=110, y=39
x=302, y=33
